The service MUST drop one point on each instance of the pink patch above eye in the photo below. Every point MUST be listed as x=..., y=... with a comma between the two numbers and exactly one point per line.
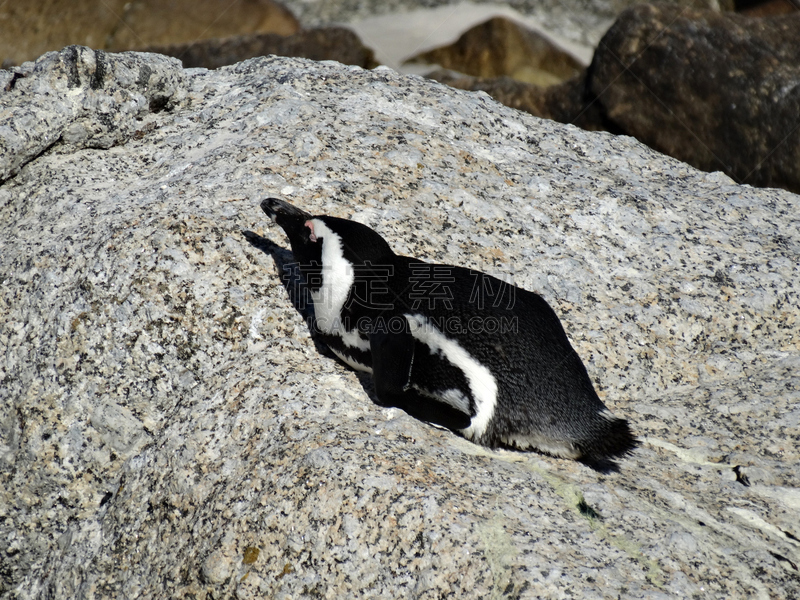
x=310, y=225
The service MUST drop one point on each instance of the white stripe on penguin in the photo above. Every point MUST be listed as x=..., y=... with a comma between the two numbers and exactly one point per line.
x=482, y=383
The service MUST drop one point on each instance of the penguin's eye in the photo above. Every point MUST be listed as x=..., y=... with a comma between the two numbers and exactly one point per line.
x=311, y=236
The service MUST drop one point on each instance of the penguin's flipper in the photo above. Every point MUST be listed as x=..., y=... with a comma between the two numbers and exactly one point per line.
x=392, y=357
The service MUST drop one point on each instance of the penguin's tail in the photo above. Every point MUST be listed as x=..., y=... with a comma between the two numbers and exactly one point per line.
x=610, y=438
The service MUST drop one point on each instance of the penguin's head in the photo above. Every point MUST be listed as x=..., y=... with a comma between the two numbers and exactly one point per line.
x=306, y=249
x=320, y=241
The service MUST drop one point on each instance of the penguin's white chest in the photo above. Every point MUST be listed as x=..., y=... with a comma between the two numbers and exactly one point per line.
x=338, y=276
x=337, y=279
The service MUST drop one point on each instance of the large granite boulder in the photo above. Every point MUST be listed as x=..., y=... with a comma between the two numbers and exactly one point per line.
x=168, y=428
x=566, y=102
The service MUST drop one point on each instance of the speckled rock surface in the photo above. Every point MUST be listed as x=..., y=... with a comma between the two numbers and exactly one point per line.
x=565, y=102
x=80, y=98
x=168, y=428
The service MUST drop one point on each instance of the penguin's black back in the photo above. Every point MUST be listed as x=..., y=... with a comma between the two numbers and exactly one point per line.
x=542, y=384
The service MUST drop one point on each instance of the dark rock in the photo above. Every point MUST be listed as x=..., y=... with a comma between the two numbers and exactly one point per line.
x=767, y=8
x=500, y=47
x=324, y=43
x=719, y=91
x=149, y=22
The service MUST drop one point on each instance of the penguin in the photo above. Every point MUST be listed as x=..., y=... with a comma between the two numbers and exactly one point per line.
x=451, y=346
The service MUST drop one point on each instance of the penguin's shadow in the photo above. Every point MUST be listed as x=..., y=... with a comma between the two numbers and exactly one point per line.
x=300, y=297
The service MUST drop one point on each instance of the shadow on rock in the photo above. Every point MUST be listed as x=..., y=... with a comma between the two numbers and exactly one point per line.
x=300, y=296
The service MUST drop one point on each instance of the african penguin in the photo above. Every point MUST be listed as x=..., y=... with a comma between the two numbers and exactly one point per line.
x=449, y=345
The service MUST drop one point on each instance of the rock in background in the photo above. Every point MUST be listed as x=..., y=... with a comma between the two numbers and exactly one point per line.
x=721, y=92
x=768, y=8
x=577, y=20
x=168, y=428
x=209, y=34
x=322, y=43
x=502, y=47
x=29, y=29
